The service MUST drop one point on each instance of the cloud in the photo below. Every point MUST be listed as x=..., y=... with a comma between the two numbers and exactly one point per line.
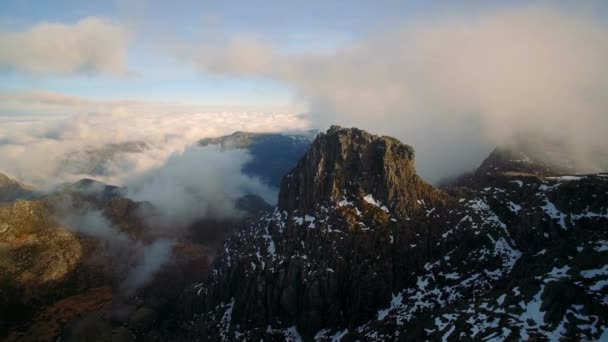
x=38, y=103
x=90, y=46
x=453, y=86
x=200, y=182
x=151, y=258
x=144, y=259
x=44, y=134
x=151, y=148
x=89, y=222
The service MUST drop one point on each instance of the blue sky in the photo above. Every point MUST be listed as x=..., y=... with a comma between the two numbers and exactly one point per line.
x=295, y=26
x=159, y=76
x=309, y=26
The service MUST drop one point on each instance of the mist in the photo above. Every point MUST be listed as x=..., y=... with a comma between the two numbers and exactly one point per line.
x=454, y=85
x=149, y=148
x=195, y=184
x=151, y=258
x=134, y=262
x=200, y=182
x=90, y=222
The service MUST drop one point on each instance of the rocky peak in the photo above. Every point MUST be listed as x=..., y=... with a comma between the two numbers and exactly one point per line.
x=540, y=156
x=514, y=160
x=350, y=162
x=425, y=267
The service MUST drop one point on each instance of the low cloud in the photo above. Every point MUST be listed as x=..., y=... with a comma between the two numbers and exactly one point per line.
x=89, y=222
x=453, y=86
x=200, y=182
x=90, y=46
x=149, y=147
x=145, y=259
x=52, y=136
x=151, y=258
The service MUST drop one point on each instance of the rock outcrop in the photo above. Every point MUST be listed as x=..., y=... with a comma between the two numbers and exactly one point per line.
x=351, y=161
x=37, y=256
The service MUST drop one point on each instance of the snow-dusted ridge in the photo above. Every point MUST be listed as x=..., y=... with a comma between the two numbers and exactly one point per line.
x=511, y=258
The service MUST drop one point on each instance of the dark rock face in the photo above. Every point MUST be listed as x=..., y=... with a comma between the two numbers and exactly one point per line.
x=359, y=248
x=355, y=162
x=252, y=204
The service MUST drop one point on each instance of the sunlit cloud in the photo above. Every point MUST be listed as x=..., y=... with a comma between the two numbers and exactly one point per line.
x=90, y=46
x=453, y=86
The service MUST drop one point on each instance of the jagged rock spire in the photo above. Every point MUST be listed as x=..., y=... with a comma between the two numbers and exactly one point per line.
x=349, y=161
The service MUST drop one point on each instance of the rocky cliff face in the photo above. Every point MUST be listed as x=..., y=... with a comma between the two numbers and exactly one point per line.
x=352, y=161
x=360, y=248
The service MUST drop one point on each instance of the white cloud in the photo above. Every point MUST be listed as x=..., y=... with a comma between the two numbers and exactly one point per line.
x=198, y=182
x=183, y=182
x=33, y=147
x=90, y=46
x=145, y=259
x=453, y=86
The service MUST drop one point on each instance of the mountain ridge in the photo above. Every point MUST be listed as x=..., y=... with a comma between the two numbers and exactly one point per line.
x=359, y=247
x=350, y=266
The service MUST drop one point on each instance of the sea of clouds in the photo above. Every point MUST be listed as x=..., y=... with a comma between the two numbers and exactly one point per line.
x=183, y=182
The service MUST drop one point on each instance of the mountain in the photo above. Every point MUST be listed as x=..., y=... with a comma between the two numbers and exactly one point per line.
x=542, y=156
x=66, y=256
x=361, y=248
x=39, y=260
x=55, y=263
x=273, y=154
x=11, y=190
x=92, y=188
